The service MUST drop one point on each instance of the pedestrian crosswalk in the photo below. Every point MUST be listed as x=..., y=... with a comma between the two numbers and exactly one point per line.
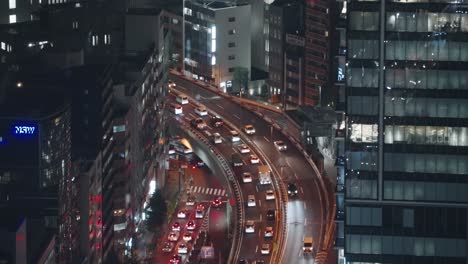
x=208, y=191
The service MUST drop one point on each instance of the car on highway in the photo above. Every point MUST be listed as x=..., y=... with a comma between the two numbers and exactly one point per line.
x=236, y=160
x=182, y=214
x=258, y=261
x=270, y=215
x=190, y=201
x=243, y=148
x=217, y=139
x=268, y=231
x=176, y=226
x=201, y=111
x=254, y=159
x=176, y=259
x=246, y=177
x=191, y=225
x=269, y=195
x=217, y=202
x=292, y=189
x=176, y=108
x=265, y=249
x=280, y=146
x=251, y=201
x=168, y=247
x=249, y=227
x=171, y=150
x=196, y=162
x=249, y=129
x=234, y=136
x=171, y=84
x=198, y=123
x=217, y=121
x=173, y=236
x=243, y=261
x=187, y=236
x=182, y=99
x=182, y=248
x=199, y=212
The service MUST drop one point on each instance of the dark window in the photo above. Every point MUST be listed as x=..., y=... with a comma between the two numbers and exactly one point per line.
x=231, y=44
x=231, y=19
x=232, y=32
x=231, y=69
x=232, y=57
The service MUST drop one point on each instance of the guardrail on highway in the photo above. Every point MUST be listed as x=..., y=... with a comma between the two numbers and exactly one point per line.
x=240, y=219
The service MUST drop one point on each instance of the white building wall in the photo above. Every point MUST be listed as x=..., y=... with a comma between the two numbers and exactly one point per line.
x=241, y=38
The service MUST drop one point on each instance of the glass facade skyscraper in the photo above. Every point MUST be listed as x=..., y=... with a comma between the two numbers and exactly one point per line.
x=406, y=171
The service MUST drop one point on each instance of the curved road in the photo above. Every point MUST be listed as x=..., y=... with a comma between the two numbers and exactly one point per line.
x=251, y=243
x=305, y=212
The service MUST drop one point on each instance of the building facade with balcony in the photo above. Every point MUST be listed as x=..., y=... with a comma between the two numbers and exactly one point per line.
x=406, y=132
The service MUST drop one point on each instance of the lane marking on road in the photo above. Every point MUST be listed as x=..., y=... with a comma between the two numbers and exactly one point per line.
x=236, y=116
x=302, y=190
x=207, y=126
x=223, y=193
x=295, y=175
x=256, y=188
x=260, y=203
x=260, y=218
x=287, y=162
x=219, y=106
x=305, y=206
x=256, y=248
x=266, y=138
x=305, y=220
x=192, y=116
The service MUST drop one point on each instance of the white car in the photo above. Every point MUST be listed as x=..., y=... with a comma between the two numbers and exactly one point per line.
x=251, y=201
x=176, y=108
x=234, y=136
x=190, y=201
x=191, y=225
x=181, y=214
x=199, y=214
x=280, y=146
x=173, y=236
x=176, y=226
x=201, y=111
x=269, y=231
x=171, y=150
x=182, y=248
x=265, y=249
x=249, y=129
x=249, y=227
x=182, y=99
x=243, y=148
x=187, y=236
x=246, y=177
x=270, y=195
x=217, y=139
x=254, y=159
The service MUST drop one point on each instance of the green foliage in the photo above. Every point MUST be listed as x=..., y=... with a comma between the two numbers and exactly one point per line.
x=156, y=211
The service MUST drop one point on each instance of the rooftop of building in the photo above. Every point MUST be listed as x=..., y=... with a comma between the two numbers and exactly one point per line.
x=215, y=4
x=308, y=114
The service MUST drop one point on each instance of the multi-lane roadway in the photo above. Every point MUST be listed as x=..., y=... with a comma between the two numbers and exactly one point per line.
x=252, y=242
x=305, y=213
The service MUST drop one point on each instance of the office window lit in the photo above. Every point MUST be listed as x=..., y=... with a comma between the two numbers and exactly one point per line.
x=12, y=4
x=12, y=19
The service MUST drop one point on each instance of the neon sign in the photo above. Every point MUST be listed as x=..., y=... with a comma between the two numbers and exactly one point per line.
x=24, y=130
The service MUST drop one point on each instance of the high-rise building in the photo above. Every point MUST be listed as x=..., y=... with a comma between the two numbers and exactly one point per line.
x=406, y=198
x=316, y=51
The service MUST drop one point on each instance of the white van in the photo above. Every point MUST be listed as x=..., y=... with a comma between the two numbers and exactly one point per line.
x=182, y=99
x=217, y=138
x=176, y=108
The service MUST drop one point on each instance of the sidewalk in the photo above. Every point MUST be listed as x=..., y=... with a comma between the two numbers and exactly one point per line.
x=148, y=241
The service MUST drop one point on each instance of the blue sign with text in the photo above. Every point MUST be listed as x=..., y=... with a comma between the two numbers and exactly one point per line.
x=24, y=130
